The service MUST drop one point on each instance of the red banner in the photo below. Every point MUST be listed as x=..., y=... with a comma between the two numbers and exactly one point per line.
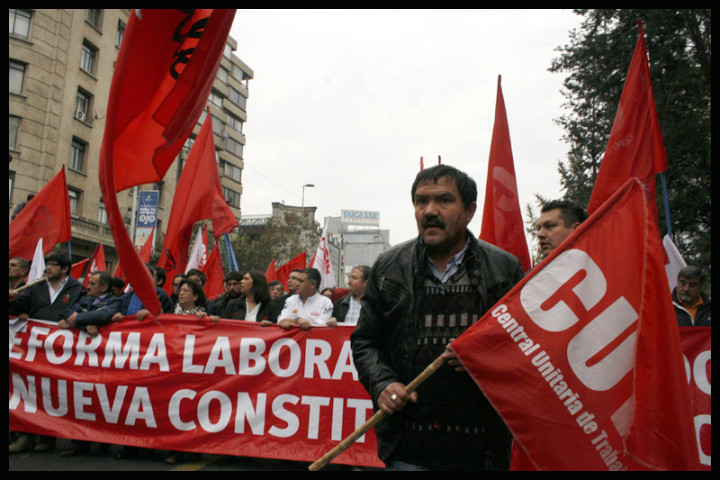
x=179, y=383
x=696, y=351
x=582, y=358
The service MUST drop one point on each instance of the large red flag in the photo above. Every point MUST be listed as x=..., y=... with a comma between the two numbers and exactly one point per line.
x=215, y=274
x=582, y=358
x=283, y=273
x=167, y=63
x=46, y=216
x=635, y=147
x=502, y=223
x=198, y=196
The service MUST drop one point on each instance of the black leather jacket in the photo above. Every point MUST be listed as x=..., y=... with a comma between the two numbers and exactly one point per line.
x=384, y=340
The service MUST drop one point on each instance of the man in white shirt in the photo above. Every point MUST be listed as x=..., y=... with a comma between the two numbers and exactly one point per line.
x=307, y=308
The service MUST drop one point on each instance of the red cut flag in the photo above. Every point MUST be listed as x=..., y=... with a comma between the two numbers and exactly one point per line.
x=635, y=147
x=297, y=263
x=502, y=223
x=270, y=273
x=77, y=269
x=584, y=354
x=198, y=196
x=215, y=274
x=46, y=216
x=167, y=63
x=96, y=264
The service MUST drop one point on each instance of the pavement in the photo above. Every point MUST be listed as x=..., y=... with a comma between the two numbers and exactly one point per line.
x=100, y=459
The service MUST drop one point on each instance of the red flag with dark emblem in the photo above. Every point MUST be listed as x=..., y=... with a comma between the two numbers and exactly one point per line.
x=167, y=63
x=46, y=216
x=582, y=358
x=502, y=223
x=198, y=196
x=635, y=147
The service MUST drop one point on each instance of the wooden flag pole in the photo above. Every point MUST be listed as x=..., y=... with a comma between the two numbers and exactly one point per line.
x=379, y=415
x=28, y=285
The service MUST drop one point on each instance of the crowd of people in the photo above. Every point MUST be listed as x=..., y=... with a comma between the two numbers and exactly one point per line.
x=248, y=296
x=399, y=309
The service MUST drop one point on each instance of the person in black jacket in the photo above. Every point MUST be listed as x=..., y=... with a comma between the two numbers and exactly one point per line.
x=346, y=309
x=421, y=295
x=692, y=306
x=48, y=300
x=254, y=303
x=94, y=309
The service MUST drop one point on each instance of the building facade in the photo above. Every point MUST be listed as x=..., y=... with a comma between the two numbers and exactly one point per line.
x=61, y=67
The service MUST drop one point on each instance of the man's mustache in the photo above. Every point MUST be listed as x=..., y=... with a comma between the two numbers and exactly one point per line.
x=430, y=222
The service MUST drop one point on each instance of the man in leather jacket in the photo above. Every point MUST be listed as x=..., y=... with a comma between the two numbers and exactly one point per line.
x=421, y=295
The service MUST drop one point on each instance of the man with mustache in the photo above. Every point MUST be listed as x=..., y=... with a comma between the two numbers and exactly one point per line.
x=422, y=294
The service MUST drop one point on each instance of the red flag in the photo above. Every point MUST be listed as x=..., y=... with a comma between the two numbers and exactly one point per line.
x=283, y=273
x=163, y=75
x=198, y=196
x=270, y=273
x=46, y=216
x=78, y=268
x=582, y=358
x=215, y=274
x=96, y=264
x=635, y=147
x=502, y=223
x=145, y=253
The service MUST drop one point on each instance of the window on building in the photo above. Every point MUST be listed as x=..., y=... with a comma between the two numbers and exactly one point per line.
x=74, y=196
x=234, y=147
x=235, y=123
x=14, y=129
x=94, y=17
x=78, y=152
x=230, y=171
x=231, y=197
x=20, y=22
x=88, y=57
x=83, y=106
x=102, y=213
x=120, y=32
x=17, y=77
x=238, y=98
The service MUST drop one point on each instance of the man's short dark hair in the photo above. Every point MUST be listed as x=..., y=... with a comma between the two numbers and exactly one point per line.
x=234, y=275
x=104, y=278
x=364, y=270
x=571, y=212
x=691, y=271
x=313, y=275
x=61, y=259
x=465, y=185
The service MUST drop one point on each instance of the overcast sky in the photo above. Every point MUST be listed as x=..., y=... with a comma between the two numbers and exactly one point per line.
x=349, y=100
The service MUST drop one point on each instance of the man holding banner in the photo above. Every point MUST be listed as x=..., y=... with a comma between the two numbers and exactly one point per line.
x=422, y=294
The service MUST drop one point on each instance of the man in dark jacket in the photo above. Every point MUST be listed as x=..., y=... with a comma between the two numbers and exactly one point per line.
x=346, y=309
x=692, y=306
x=51, y=299
x=94, y=309
x=421, y=295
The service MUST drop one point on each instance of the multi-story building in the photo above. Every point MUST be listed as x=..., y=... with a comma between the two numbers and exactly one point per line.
x=61, y=67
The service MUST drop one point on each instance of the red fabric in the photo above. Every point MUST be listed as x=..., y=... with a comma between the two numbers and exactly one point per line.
x=582, y=358
x=697, y=346
x=179, y=383
x=46, y=216
x=198, y=196
x=502, y=223
x=215, y=274
x=78, y=268
x=270, y=273
x=283, y=273
x=167, y=63
x=635, y=147
x=96, y=264
x=145, y=253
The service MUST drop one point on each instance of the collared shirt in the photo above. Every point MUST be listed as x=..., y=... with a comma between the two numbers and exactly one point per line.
x=100, y=298
x=54, y=292
x=317, y=309
x=353, y=313
x=452, y=265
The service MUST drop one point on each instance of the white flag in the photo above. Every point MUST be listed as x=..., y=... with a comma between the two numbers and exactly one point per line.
x=37, y=267
x=676, y=261
x=198, y=257
x=323, y=264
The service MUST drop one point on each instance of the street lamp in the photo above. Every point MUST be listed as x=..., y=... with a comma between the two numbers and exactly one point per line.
x=302, y=205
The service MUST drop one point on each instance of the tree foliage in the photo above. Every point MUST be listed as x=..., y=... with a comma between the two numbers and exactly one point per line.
x=596, y=62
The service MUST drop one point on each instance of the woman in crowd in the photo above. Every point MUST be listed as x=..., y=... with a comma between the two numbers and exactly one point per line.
x=254, y=304
x=191, y=299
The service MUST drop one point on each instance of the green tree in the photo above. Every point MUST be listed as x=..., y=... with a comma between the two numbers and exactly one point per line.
x=596, y=62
